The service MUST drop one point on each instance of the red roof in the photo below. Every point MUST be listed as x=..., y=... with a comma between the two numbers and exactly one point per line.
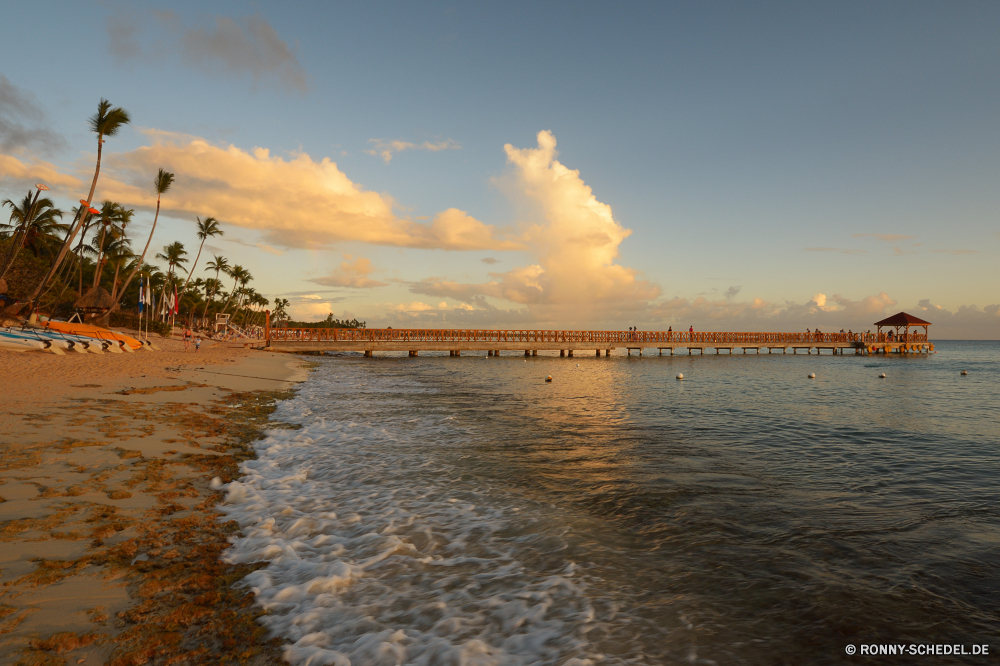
x=902, y=319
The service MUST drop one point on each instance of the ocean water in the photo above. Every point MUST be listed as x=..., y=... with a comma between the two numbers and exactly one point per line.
x=462, y=511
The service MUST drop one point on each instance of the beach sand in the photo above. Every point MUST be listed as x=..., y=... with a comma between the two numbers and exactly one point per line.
x=109, y=544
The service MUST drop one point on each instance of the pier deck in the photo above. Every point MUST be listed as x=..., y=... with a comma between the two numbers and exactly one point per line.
x=568, y=343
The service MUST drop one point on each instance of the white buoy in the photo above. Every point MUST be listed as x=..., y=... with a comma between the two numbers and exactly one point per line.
x=549, y=378
x=882, y=376
x=680, y=375
x=812, y=375
x=965, y=372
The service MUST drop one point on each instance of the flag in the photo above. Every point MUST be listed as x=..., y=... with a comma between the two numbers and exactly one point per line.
x=142, y=295
x=177, y=301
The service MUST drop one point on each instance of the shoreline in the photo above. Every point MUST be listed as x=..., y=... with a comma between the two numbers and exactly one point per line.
x=110, y=540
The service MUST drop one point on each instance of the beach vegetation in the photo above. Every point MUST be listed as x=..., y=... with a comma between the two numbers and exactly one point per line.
x=105, y=123
x=175, y=255
x=329, y=322
x=94, y=252
x=207, y=228
x=162, y=183
x=33, y=225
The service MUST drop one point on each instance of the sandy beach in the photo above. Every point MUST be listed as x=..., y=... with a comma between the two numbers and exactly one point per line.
x=110, y=544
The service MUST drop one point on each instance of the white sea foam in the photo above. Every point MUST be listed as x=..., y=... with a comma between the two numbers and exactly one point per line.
x=381, y=551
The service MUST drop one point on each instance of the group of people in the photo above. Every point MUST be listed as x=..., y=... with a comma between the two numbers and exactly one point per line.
x=633, y=332
x=190, y=337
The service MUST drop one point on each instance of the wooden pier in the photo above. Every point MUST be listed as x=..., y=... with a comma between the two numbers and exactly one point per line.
x=570, y=343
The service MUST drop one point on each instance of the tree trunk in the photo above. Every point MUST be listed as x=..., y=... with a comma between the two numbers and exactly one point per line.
x=15, y=243
x=228, y=300
x=138, y=265
x=191, y=272
x=215, y=288
x=73, y=230
x=100, y=257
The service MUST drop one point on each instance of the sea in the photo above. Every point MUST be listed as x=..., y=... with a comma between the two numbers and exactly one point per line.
x=465, y=511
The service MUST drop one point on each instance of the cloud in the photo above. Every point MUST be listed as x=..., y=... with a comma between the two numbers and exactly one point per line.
x=415, y=306
x=968, y=322
x=387, y=148
x=253, y=48
x=247, y=47
x=351, y=275
x=573, y=237
x=829, y=312
x=955, y=251
x=259, y=246
x=19, y=174
x=732, y=292
x=833, y=249
x=21, y=121
x=489, y=260
x=123, y=36
x=297, y=202
x=887, y=238
x=312, y=310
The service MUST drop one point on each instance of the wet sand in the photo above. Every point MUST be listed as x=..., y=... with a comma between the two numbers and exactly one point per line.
x=109, y=543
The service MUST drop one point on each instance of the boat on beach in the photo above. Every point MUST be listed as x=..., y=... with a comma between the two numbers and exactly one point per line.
x=124, y=342
x=14, y=341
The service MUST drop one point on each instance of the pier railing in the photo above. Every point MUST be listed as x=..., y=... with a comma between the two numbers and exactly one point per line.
x=597, y=338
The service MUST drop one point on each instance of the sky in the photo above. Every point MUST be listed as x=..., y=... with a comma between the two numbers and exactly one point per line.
x=763, y=166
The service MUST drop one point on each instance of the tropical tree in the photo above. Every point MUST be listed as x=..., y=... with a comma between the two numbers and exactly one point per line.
x=106, y=122
x=120, y=258
x=174, y=254
x=111, y=238
x=219, y=264
x=280, y=310
x=35, y=230
x=162, y=183
x=236, y=272
x=244, y=293
x=206, y=229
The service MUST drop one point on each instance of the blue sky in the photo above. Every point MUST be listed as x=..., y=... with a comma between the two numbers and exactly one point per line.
x=779, y=165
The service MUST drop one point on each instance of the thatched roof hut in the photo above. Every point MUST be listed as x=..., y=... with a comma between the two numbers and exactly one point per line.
x=95, y=300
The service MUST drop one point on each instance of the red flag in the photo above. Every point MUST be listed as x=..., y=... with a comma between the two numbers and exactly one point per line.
x=177, y=303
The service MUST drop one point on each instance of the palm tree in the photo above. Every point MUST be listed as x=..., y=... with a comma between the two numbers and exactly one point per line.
x=280, y=309
x=120, y=257
x=34, y=230
x=106, y=122
x=174, y=254
x=206, y=229
x=162, y=183
x=236, y=272
x=218, y=264
x=244, y=293
x=248, y=298
x=111, y=236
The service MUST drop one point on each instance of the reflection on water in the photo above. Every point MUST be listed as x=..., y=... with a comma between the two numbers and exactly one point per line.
x=746, y=514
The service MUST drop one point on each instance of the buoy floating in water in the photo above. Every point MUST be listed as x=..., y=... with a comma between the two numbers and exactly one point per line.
x=812, y=375
x=965, y=372
x=549, y=378
x=882, y=376
x=680, y=375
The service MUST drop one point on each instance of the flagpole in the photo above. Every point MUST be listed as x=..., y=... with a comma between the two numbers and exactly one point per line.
x=140, y=305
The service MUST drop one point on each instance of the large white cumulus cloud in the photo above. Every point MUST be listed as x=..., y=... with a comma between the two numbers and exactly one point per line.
x=297, y=201
x=574, y=240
